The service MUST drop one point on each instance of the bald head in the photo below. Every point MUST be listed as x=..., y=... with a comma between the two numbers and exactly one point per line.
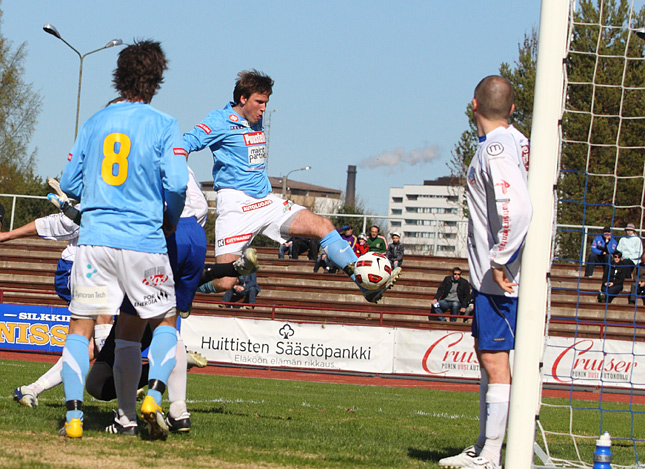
x=494, y=95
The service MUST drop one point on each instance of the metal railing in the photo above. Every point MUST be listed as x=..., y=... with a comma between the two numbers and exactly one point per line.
x=13, y=198
x=587, y=231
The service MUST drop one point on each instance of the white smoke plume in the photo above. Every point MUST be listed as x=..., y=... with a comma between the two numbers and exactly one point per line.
x=399, y=158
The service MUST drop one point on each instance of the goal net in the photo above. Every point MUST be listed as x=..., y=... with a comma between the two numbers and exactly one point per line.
x=593, y=373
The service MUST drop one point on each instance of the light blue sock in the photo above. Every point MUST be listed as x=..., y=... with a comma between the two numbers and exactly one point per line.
x=76, y=365
x=161, y=356
x=339, y=251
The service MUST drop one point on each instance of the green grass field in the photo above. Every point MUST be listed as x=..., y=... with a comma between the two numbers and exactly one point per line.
x=248, y=422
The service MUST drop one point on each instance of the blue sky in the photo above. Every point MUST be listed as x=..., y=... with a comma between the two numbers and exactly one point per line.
x=379, y=84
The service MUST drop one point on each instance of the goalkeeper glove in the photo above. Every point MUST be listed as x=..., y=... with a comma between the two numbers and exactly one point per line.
x=62, y=202
x=64, y=206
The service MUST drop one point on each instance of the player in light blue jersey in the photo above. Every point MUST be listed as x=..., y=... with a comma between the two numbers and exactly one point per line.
x=126, y=162
x=245, y=204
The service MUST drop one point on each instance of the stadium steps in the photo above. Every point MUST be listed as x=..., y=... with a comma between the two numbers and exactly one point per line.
x=292, y=291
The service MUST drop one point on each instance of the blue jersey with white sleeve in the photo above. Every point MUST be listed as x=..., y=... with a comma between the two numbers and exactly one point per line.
x=239, y=151
x=126, y=162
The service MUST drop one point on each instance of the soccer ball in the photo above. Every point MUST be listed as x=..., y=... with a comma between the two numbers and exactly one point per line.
x=372, y=270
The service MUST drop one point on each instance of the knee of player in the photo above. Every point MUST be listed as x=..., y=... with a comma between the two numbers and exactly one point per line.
x=309, y=225
x=321, y=226
x=100, y=382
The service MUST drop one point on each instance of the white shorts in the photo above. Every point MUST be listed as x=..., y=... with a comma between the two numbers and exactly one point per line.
x=101, y=276
x=241, y=217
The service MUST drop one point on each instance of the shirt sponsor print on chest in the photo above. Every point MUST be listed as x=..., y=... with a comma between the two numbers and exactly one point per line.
x=257, y=149
x=255, y=138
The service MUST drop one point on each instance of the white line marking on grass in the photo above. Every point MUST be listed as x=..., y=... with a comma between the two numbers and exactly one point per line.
x=225, y=401
x=445, y=415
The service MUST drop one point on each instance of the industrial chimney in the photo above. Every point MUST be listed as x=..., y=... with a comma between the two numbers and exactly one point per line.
x=350, y=191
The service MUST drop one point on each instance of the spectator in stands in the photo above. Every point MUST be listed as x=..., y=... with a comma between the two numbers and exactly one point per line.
x=613, y=278
x=361, y=246
x=247, y=288
x=314, y=249
x=347, y=233
x=452, y=295
x=296, y=246
x=285, y=248
x=376, y=242
x=395, y=251
x=323, y=260
x=602, y=247
x=638, y=287
x=631, y=248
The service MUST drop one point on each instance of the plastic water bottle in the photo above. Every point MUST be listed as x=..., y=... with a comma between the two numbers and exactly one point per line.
x=602, y=455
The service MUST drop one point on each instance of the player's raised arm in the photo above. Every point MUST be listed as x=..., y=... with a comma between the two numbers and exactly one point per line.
x=203, y=135
x=71, y=181
x=174, y=174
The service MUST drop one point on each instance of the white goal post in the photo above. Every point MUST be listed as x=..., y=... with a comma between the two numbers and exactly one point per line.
x=545, y=148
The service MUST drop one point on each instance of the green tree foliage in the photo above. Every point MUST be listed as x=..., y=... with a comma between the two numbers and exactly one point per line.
x=522, y=76
x=357, y=223
x=19, y=108
x=601, y=172
x=601, y=177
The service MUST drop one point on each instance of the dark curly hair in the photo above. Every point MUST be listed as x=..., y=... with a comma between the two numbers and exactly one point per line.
x=249, y=82
x=139, y=71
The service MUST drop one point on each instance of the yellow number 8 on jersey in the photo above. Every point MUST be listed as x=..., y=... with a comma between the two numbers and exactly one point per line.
x=111, y=175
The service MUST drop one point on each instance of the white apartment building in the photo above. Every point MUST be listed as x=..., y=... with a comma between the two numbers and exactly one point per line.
x=430, y=218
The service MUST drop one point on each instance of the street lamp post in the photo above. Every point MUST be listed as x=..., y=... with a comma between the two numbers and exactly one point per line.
x=284, y=179
x=50, y=29
x=267, y=131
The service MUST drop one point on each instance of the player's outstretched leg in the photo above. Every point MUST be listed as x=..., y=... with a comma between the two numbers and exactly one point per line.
x=195, y=359
x=374, y=296
x=341, y=254
x=25, y=395
x=246, y=264
x=28, y=395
